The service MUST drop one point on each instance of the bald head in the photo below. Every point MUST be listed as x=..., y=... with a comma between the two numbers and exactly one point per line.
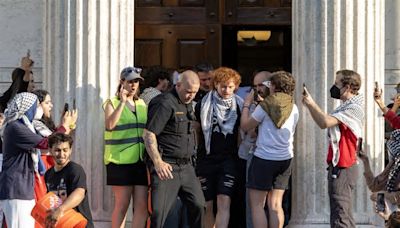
x=187, y=86
x=258, y=80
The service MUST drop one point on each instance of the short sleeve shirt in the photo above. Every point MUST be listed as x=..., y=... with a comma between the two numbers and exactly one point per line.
x=170, y=120
x=17, y=176
x=275, y=143
x=65, y=181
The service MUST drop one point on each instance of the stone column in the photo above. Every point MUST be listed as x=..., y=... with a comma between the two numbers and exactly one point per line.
x=329, y=36
x=392, y=47
x=86, y=44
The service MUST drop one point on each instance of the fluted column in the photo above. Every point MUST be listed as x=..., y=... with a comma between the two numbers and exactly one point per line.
x=329, y=36
x=86, y=44
x=392, y=47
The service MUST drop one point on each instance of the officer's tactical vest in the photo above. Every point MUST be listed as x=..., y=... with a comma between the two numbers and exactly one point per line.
x=124, y=143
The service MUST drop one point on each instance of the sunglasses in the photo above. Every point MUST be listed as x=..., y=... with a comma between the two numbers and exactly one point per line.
x=129, y=70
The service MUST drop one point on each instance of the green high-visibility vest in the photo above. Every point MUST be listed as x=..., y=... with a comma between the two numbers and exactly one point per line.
x=124, y=143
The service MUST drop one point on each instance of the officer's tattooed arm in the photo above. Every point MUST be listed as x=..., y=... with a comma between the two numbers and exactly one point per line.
x=163, y=169
x=150, y=141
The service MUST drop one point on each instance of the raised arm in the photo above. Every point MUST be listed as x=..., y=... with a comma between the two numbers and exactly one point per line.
x=322, y=119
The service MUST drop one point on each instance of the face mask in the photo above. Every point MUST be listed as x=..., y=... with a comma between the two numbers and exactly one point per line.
x=39, y=113
x=335, y=92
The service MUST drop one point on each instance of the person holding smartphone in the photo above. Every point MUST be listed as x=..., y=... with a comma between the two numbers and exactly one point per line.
x=271, y=166
x=345, y=126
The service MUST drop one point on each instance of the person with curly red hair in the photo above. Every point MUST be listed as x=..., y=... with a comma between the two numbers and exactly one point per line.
x=219, y=116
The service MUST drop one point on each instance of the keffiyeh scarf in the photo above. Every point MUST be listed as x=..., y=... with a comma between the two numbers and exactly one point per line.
x=350, y=113
x=22, y=108
x=393, y=146
x=224, y=109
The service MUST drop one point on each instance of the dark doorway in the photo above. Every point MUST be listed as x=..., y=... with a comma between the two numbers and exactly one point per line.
x=249, y=54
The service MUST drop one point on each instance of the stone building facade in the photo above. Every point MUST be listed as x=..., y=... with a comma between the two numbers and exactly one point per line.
x=79, y=46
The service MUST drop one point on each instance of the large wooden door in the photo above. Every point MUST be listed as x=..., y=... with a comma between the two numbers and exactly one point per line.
x=177, y=33
x=181, y=33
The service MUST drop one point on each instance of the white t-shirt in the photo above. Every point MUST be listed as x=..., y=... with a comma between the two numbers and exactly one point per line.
x=273, y=143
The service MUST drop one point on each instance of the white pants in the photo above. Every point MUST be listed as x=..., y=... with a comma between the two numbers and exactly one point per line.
x=18, y=213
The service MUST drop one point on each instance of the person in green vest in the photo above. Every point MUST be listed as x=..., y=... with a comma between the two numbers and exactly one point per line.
x=125, y=118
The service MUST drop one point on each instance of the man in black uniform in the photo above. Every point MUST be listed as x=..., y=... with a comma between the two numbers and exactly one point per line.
x=170, y=143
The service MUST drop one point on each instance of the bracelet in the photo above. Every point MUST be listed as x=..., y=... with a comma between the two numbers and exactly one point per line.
x=246, y=106
x=72, y=126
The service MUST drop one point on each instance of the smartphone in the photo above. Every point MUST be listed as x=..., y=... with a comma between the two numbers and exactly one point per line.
x=66, y=107
x=359, y=144
x=73, y=104
x=255, y=94
x=380, y=202
x=28, y=54
x=376, y=89
x=304, y=89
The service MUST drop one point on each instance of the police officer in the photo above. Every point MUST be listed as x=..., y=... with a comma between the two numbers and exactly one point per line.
x=169, y=140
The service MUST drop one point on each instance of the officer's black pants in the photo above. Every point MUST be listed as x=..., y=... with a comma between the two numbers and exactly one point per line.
x=164, y=193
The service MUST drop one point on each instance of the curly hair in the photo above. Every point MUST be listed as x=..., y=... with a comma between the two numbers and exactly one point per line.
x=350, y=78
x=153, y=74
x=283, y=82
x=224, y=74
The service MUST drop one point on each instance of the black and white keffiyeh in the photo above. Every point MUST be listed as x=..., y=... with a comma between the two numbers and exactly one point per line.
x=393, y=146
x=17, y=109
x=350, y=113
x=224, y=109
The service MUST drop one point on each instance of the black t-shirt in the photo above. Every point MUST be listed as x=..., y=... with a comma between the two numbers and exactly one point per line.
x=17, y=176
x=220, y=145
x=170, y=120
x=65, y=181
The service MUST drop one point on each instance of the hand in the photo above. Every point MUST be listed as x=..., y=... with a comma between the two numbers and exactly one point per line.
x=383, y=214
x=123, y=94
x=164, y=170
x=27, y=62
x=307, y=99
x=52, y=217
x=377, y=94
x=362, y=155
x=69, y=119
x=250, y=98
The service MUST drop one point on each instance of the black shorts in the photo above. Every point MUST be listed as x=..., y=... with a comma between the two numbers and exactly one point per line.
x=127, y=174
x=217, y=177
x=267, y=174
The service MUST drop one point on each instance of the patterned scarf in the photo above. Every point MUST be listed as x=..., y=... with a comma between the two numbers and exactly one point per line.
x=350, y=113
x=224, y=109
x=22, y=108
x=393, y=146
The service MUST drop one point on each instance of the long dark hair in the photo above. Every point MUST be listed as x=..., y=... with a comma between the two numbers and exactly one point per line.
x=48, y=121
x=17, y=86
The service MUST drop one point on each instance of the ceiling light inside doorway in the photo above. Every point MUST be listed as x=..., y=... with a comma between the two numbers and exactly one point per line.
x=247, y=35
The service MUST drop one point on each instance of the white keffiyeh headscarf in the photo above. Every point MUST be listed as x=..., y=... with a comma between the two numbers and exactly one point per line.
x=224, y=109
x=350, y=113
x=19, y=108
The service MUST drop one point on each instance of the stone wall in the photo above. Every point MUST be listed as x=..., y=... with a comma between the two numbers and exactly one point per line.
x=21, y=29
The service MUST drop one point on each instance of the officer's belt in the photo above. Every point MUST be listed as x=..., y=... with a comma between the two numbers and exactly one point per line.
x=177, y=161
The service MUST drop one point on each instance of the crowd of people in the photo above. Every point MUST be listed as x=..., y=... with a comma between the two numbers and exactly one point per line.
x=194, y=149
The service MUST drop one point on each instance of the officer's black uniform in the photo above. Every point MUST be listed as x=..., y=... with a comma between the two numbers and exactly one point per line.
x=170, y=120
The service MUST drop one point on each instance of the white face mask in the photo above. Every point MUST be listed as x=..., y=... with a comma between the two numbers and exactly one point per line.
x=39, y=113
